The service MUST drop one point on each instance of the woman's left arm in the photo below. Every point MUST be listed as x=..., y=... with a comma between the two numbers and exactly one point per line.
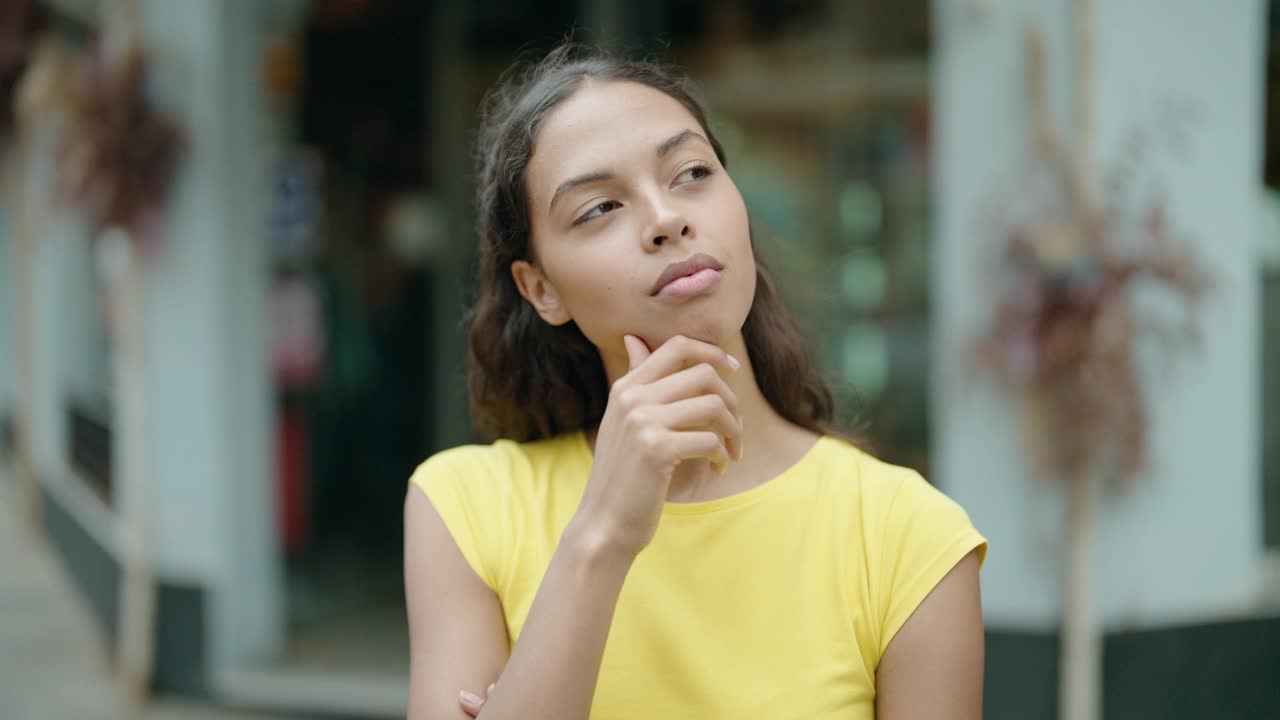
x=933, y=666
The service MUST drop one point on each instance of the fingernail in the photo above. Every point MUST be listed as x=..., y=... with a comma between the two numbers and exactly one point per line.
x=733, y=362
x=470, y=699
x=491, y=687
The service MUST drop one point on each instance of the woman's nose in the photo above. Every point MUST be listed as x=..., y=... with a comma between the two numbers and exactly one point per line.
x=668, y=223
x=685, y=232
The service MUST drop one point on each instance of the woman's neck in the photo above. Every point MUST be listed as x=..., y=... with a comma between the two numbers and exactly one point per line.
x=770, y=442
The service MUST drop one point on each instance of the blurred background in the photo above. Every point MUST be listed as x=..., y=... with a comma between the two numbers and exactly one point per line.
x=235, y=249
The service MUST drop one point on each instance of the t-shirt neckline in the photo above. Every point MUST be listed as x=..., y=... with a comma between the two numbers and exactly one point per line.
x=736, y=500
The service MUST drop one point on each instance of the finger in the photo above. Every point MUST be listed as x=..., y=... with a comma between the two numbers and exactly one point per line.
x=706, y=411
x=678, y=353
x=470, y=702
x=489, y=692
x=691, y=382
x=700, y=444
x=637, y=351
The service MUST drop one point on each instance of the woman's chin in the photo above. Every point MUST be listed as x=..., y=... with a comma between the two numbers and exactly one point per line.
x=706, y=329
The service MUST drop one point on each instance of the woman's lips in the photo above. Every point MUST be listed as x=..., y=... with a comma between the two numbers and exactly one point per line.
x=685, y=268
x=688, y=286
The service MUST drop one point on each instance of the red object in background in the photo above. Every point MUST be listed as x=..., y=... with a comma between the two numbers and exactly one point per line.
x=293, y=521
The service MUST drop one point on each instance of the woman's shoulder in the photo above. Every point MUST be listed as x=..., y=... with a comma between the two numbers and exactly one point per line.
x=859, y=469
x=501, y=461
x=871, y=480
x=897, y=508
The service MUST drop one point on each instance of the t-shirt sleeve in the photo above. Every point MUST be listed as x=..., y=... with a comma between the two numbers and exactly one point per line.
x=460, y=486
x=924, y=535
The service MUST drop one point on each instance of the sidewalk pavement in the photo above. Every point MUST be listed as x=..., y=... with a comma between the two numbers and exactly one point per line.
x=53, y=664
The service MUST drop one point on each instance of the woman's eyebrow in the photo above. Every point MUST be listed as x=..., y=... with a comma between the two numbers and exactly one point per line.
x=574, y=182
x=664, y=148
x=675, y=140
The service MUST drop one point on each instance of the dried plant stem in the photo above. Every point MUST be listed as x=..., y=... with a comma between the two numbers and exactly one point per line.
x=1044, y=139
x=1080, y=685
x=137, y=589
x=1080, y=676
x=17, y=182
x=1084, y=173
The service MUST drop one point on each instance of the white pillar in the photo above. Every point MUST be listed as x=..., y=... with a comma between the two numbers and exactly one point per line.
x=1195, y=513
x=209, y=396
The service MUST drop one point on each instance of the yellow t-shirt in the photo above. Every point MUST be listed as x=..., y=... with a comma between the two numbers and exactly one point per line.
x=774, y=603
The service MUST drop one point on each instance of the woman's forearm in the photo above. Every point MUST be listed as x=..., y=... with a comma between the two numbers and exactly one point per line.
x=554, y=665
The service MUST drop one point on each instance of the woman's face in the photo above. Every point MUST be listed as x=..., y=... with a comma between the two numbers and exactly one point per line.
x=623, y=187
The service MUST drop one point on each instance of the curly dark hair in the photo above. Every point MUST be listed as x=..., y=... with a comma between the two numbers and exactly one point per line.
x=530, y=379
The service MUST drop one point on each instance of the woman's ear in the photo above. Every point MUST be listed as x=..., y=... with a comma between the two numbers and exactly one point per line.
x=537, y=289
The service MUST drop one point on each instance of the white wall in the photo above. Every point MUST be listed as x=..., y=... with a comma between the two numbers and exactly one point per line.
x=1187, y=544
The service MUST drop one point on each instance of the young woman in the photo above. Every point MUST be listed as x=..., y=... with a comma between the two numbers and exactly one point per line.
x=668, y=526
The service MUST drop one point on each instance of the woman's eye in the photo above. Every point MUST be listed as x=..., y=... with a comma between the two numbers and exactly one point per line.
x=697, y=172
x=596, y=211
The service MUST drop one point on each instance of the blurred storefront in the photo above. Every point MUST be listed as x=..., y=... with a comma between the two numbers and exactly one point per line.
x=301, y=348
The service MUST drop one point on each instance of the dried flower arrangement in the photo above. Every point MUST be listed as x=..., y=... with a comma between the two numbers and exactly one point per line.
x=1065, y=324
x=1064, y=329
x=119, y=154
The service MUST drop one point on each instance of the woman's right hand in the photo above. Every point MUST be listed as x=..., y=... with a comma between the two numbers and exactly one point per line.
x=671, y=406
